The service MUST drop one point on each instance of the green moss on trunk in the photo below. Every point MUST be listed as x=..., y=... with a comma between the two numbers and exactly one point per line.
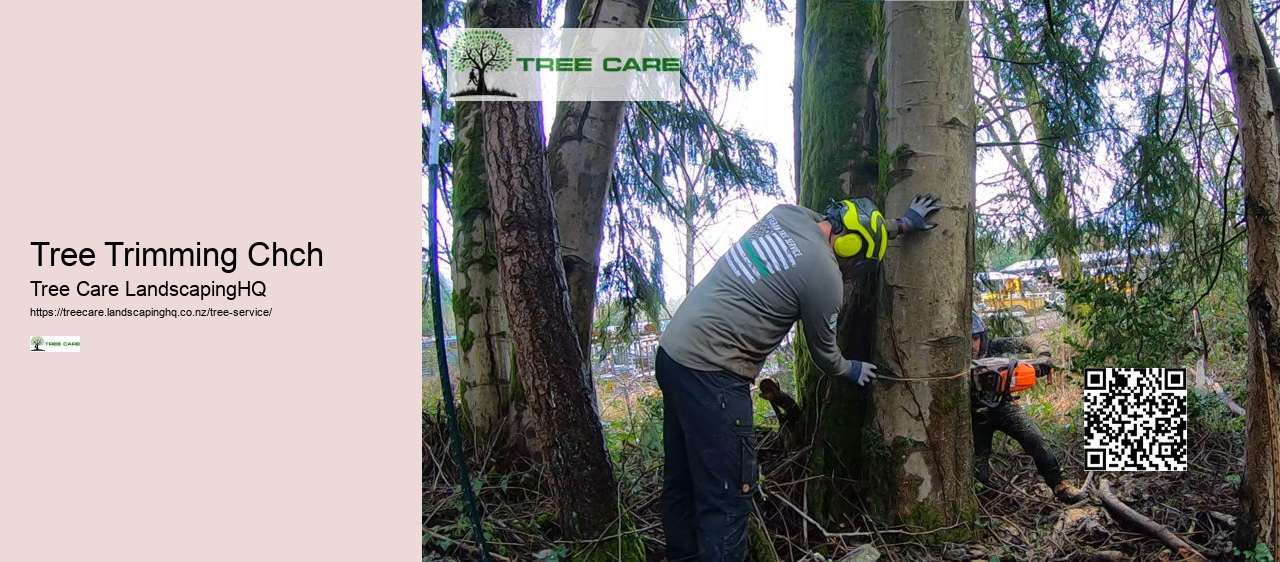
x=879, y=488
x=470, y=192
x=839, y=136
x=840, y=147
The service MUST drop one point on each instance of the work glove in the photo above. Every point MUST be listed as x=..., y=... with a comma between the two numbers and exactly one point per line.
x=861, y=372
x=921, y=207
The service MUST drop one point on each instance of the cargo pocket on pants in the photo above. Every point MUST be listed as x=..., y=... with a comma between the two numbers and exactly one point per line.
x=750, y=469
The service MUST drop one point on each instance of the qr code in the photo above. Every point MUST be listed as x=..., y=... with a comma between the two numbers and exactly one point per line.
x=1135, y=419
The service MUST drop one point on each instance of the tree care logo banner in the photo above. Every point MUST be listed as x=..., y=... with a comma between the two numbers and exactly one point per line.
x=56, y=344
x=505, y=64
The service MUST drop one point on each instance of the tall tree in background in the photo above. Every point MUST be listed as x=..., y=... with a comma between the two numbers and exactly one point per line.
x=689, y=162
x=700, y=168
x=581, y=149
x=1045, y=61
x=841, y=152
x=925, y=473
x=568, y=438
x=1260, y=139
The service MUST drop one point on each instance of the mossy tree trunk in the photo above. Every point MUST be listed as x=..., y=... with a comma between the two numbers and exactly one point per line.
x=581, y=150
x=553, y=371
x=921, y=432
x=1260, y=484
x=840, y=148
x=484, y=343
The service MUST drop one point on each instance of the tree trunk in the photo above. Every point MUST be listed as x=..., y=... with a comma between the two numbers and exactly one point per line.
x=582, y=146
x=690, y=238
x=797, y=90
x=840, y=150
x=1273, y=74
x=484, y=344
x=1260, y=484
x=1052, y=203
x=568, y=437
x=921, y=441
x=1053, y=206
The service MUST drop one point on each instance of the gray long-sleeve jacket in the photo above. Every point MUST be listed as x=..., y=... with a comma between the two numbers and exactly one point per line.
x=782, y=270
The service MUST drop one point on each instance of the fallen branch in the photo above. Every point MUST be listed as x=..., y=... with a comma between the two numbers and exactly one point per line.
x=1126, y=514
x=617, y=535
x=1231, y=404
x=830, y=535
x=467, y=546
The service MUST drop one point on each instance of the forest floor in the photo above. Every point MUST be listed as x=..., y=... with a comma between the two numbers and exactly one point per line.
x=1025, y=523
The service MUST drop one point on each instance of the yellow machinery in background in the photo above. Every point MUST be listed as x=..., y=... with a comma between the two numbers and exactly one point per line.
x=1005, y=293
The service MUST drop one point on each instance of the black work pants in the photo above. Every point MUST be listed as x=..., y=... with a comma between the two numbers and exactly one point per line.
x=710, y=471
x=1011, y=420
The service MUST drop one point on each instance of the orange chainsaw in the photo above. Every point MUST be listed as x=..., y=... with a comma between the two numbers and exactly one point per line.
x=995, y=379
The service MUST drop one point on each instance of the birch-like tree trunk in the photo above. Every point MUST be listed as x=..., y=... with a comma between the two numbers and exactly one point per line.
x=923, y=444
x=484, y=344
x=1260, y=484
x=581, y=150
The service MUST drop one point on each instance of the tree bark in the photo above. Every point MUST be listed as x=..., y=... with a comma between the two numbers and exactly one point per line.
x=484, y=343
x=1260, y=484
x=581, y=150
x=1273, y=74
x=553, y=369
x=921, y=437
x=840, y=153
x=797, y=89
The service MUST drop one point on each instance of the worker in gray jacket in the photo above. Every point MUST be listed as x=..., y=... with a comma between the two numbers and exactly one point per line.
x=783, y=270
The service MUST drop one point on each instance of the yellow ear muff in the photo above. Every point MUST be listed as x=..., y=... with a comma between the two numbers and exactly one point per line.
x=877, y=225
x=865, y=231
x=849, y=245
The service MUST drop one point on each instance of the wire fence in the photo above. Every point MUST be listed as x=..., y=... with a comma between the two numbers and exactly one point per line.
x=623, y=362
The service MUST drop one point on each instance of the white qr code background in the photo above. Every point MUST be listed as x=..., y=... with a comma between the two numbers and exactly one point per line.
x=1135, y=419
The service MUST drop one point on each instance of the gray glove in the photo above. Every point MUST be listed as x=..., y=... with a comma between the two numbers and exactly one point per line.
x=861, y=372
x=921, y=207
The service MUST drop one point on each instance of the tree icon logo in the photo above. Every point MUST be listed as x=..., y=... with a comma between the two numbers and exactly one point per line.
x=478, y=52
x=36, y=342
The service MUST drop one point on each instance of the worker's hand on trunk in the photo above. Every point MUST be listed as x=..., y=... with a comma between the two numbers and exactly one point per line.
x=914, y=220
x=861, y=372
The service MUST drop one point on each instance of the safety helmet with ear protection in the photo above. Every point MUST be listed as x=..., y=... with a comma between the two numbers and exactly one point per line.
x=859, y=228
